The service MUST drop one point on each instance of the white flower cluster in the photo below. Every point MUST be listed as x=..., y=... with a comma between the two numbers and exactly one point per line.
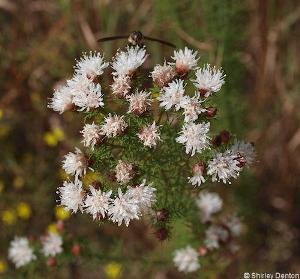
x=181, y=89
x=81, y=91
x=186, y=259
x=209, y=204
x=21, y=253
x=124, y=207
x=194, y=134
x=219, y=232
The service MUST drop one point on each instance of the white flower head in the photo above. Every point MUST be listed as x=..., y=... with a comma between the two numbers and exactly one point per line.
x=139, y=102
x=123, y=209
x=91, y=65
x=223, y=167
x=97, y=203
x=209, y=204
x=150, y=135
x=209, y=80
x=62, y=100
x=72, y=195
x=90, y=97
x=192, y=108
x=173, y=95
x=186, y=260
x=143, y=195
x=121, y=86
x=195, y=137
x=52, y=244
x=244, y=149
x=124, y=172
x=163, y=74
x=215, y=235
x=199, y=170
x=113, y=126
x=235, y=225
x=91, y=135
x=19, y=252
x=185, y=60
x=126, y=62
x=75, y=163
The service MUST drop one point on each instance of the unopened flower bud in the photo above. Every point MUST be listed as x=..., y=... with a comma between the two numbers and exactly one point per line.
x=199, y=168
x=202, y=251
x=51, y=262
x=225, y=136
x=217, y=141
x=162, y=214
x=76, y=249
x=211, y=112
x=162, y=234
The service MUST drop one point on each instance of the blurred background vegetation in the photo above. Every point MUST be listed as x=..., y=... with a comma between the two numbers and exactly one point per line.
x=255, y=41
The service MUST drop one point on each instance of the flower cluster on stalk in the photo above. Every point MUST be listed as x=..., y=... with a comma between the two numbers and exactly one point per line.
x=133, y=113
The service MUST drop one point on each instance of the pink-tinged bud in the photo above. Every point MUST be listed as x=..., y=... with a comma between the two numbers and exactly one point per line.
x=76, y=249
x=162, y=215
x=121, y=86
x=202, y=251
x=163, y=74
x=199, y=168
x=211, y=112
x=60, y=226
x=162, y=234
x=225, y=136
x=51, y=262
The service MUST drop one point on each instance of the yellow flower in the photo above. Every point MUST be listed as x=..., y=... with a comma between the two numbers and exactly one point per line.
x=24, y=210
x=3, y=266
x=9, y=217
x=90, y=177
x=18, y=182
x=61, y=213
x=113, y=270
x=1, y=114
x=50, y=139
x=155, y=95
x=52, y=228
x=58, y=133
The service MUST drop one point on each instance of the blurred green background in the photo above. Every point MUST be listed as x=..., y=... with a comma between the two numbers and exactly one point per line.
x=255, y=41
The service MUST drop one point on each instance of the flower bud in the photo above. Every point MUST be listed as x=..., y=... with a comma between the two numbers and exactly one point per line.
x=76, y=249
x=162, y=214
x=199, y=168
x=202, y=251
x=217, y=141
x=162, y=234
x=51, y=262
x=211, y=112
x=225, y=136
